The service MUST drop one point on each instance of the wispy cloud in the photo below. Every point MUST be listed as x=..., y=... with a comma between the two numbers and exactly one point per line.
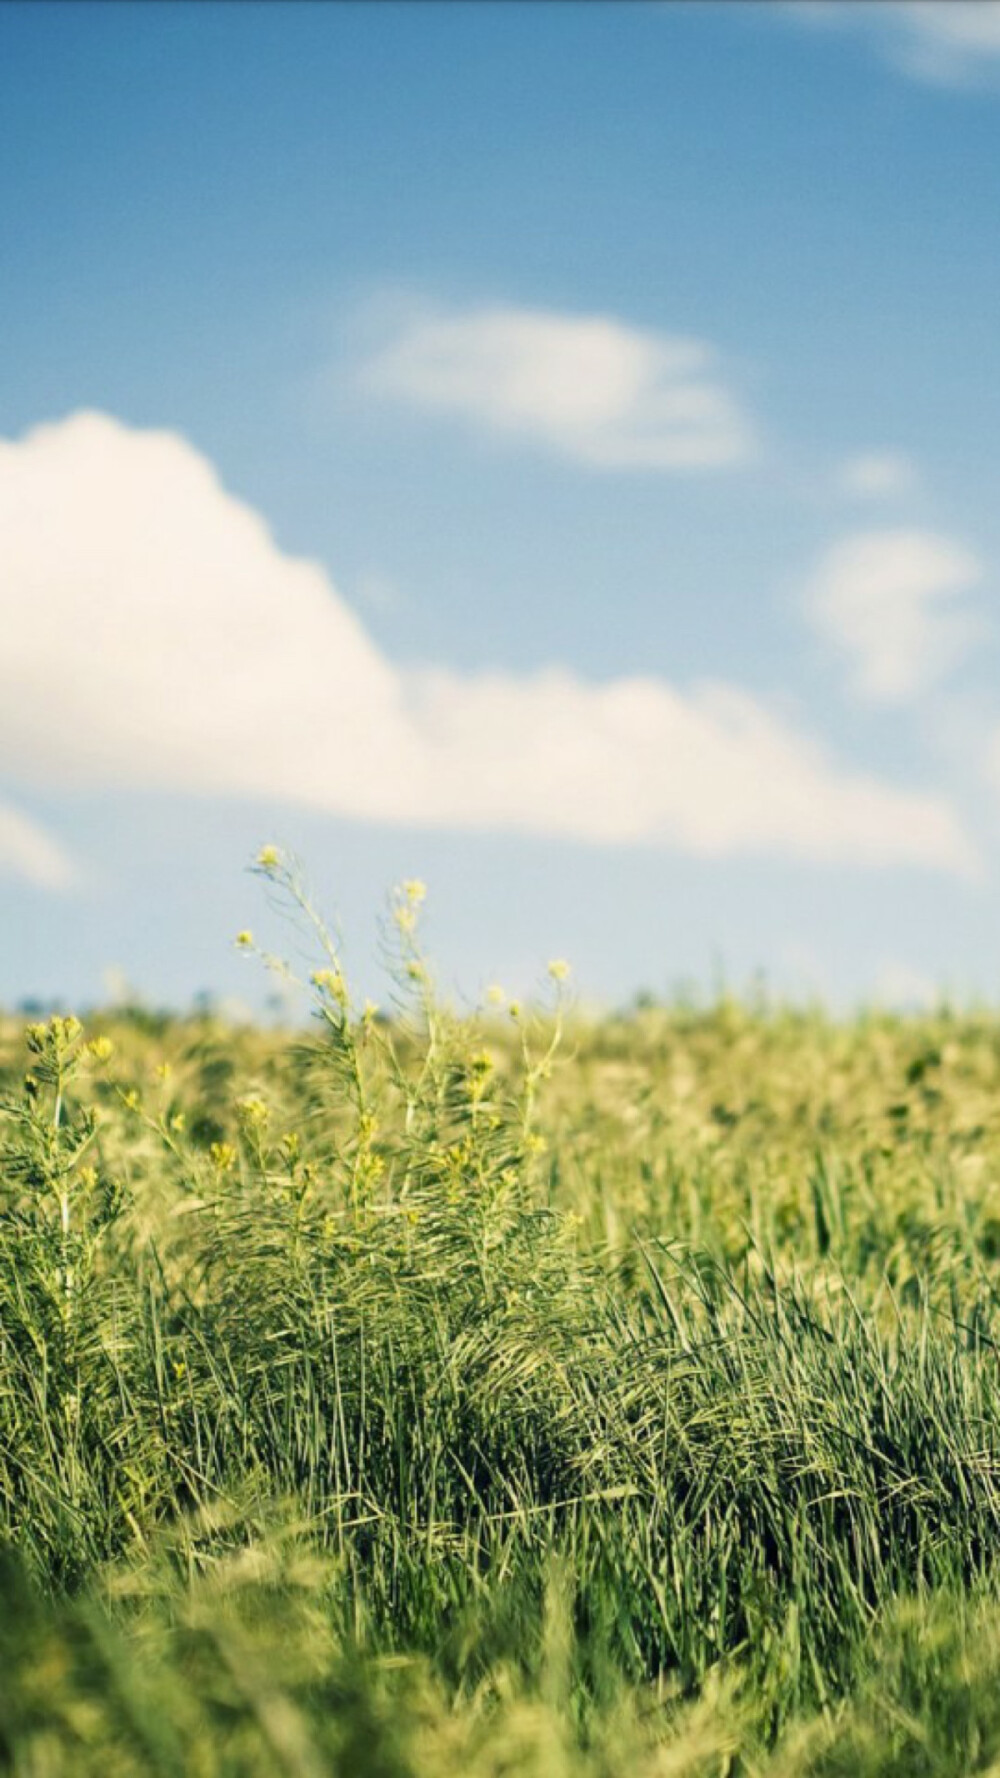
x=946, y=42
x=155, y=636
x=589, y=387
x=943, y=40
x=888, y=601
x=992, y=758
x=29, y=852
x=877, y=475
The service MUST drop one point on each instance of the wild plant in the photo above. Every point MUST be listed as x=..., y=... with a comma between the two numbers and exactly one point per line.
x=602, y=1387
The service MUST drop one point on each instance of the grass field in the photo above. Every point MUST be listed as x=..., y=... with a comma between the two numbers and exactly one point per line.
x=502, y=1394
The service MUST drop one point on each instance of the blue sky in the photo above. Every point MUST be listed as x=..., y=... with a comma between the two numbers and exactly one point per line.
x=547, y=449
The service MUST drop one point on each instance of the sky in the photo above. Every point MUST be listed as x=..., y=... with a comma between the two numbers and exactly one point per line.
x=546, y=450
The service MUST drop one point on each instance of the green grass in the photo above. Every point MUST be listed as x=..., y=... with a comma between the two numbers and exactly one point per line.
x=501, y=1394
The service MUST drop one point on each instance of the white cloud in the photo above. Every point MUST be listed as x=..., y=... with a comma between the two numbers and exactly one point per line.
x=711, y=772
x=887, y=601
x=155, y=636
x=877, y=475
x=892, y=984
x=992, y=764
x=902, y=988
x=27, y=851
x=610, y=396
x=948, y=39
x=941, y=41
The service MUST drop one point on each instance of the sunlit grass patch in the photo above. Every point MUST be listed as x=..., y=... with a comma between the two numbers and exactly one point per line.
x=498, y=1392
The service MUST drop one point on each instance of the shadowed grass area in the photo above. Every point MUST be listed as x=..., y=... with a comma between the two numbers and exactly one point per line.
x=500, y=1393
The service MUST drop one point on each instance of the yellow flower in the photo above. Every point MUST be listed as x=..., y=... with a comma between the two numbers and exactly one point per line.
x=268, y=858
x=495, y=995
x=415, y=891
x=559, y=969
x=244, y=940
x=332, y=981
x=59, y=1032
x=101, y=1048
x=252, y=1113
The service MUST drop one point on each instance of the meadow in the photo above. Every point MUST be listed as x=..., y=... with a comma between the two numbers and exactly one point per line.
x=422, y=1395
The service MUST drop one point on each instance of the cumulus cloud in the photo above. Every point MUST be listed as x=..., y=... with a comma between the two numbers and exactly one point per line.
x=877, y=475
x=941, y=41
x=888, y=602
x=711, y=772
x=608, y=395
x=27, y=851
x=155, y=636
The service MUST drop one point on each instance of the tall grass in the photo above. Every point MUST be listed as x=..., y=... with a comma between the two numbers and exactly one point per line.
x=499, y=1393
